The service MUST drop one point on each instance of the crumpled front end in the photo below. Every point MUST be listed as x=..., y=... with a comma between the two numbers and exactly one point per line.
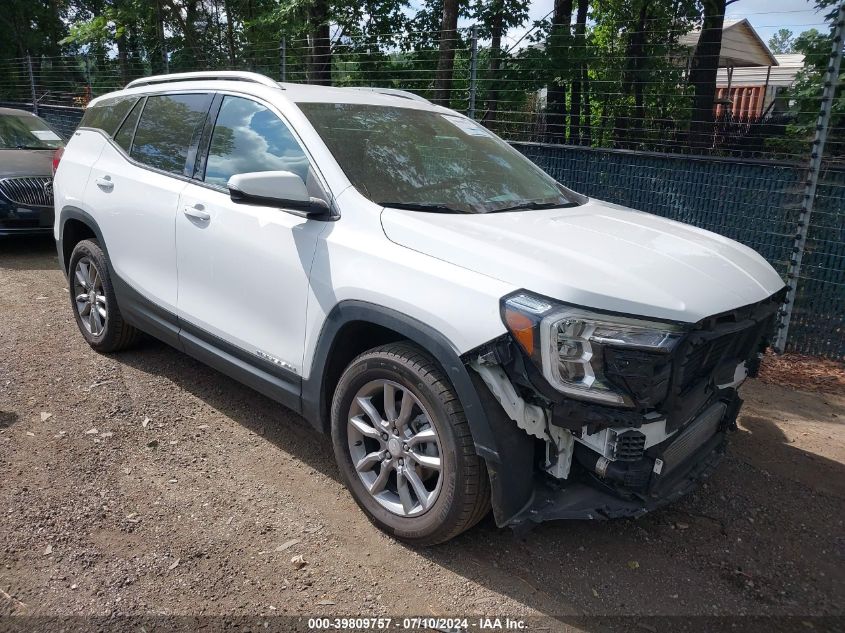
x=666, y=430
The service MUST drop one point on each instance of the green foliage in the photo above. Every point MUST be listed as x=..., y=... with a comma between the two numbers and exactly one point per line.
x=781, y=42
x=623, y=79
x=483, y=12
x=804, y=97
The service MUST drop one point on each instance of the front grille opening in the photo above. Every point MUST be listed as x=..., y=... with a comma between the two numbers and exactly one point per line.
x=30, y=191
x=704, y=355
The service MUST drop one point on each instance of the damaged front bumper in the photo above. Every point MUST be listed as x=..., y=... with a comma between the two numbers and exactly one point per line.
x=561, y=458
x=524, y=492
x=589, y=498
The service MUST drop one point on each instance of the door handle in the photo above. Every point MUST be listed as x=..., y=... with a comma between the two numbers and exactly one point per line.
x=198, y=212
x=105, y=183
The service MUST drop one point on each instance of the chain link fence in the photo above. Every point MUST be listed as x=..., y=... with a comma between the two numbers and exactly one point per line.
x=613, y=118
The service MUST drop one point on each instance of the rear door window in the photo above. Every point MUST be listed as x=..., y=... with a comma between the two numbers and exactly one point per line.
x=168, y=130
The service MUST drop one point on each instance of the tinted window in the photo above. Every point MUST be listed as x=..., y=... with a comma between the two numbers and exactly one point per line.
x=168, y=126
x=248, y=137
x=124, y=134
x=108, y=114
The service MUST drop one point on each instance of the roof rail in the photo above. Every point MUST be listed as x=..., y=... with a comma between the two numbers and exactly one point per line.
x=209, y=75
x=393, y=92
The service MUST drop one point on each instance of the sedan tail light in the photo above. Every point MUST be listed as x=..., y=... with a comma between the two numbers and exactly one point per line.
x=57, y=156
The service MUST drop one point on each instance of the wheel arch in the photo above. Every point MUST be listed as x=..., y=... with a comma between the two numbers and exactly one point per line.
x=353, y=327
x=76, y=225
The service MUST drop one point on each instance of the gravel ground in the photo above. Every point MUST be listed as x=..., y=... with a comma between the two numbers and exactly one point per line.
x=147, y=483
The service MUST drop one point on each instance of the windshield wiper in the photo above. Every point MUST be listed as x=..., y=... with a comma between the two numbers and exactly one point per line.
x=430, y=207
x=32, y=147
x=535, y=204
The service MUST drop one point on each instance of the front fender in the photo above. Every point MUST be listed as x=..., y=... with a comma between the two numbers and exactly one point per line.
x=507, y=451
x=345, y=312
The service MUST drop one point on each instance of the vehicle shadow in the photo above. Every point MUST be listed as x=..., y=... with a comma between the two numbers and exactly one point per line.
x=27, y=252
x=784, y=460
x=252, y=410
x=710, y=554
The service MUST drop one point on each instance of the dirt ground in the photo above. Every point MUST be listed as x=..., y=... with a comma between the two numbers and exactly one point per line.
x=146, y=482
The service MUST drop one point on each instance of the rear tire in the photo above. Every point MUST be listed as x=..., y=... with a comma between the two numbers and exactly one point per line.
x=93, y=300
x=418, y=476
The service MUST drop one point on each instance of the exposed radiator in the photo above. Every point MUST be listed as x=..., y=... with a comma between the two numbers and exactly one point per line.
x=691, y=439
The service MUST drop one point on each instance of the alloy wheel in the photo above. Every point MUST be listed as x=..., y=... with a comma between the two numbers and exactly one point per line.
x=395, y=448
x=90, y=297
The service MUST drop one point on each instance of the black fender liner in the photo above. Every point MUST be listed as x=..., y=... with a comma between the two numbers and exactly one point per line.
x=507, y=450
x=75, y=213
x=512, y=486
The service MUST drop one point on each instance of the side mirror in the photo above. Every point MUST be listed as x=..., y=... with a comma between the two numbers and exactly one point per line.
x=276, y=189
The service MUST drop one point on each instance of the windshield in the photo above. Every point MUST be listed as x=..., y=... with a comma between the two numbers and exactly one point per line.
x=19, y=131
x=431, y=161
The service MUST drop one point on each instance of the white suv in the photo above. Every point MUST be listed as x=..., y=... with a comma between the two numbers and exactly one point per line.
x=469, y=331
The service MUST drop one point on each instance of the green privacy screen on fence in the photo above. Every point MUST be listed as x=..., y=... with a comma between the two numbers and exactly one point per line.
x=754, y=202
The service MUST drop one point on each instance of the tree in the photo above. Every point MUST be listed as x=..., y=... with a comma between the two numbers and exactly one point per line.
x=703, y=69
x=558, y=65
x=611, y=69
x=579, y=131
x=320, y=63
x=634, y=76
x=446, y=58
x=805, y=93
x=496, y=31
x=495, y=18
x=626, y=72
x=31, y=26
x=781, y=42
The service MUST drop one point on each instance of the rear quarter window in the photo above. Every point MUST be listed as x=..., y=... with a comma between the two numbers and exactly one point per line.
x=106, y=115
x=127, y=129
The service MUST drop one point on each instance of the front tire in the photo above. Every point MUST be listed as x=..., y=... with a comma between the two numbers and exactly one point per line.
x=93, y=300
x=404, y=447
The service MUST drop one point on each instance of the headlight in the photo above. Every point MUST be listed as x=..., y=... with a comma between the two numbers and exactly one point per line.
x=567, y=344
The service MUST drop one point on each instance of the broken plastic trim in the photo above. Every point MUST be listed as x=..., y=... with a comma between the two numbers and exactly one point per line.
x=532, y=419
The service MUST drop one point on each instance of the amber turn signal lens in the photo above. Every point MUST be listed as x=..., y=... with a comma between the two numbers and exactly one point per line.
x=522, y=329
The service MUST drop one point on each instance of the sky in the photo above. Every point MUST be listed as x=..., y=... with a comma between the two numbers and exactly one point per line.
x=766, y=16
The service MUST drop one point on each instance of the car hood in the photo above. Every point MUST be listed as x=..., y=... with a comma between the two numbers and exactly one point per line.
x=26, y=162
x=597, y=255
